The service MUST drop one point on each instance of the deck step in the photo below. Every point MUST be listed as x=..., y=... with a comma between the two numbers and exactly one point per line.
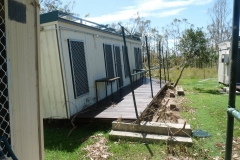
x=149, y=138
x=154, y=128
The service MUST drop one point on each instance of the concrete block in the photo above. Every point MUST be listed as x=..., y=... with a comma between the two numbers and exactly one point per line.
x=181, y=121
x=153, y=128
x=180, y=91
x=149, y=138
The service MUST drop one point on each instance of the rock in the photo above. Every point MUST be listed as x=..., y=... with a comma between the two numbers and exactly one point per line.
x=173, y=107
x=172, y=95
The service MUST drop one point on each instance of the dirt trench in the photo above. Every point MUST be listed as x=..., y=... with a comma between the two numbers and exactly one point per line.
x=164, y=108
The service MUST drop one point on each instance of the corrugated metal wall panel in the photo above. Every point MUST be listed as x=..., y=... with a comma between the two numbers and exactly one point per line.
x=22, y=52
x=53, y=101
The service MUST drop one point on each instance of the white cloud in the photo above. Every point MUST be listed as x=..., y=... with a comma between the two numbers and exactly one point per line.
x=168, y=13
x=154, y=8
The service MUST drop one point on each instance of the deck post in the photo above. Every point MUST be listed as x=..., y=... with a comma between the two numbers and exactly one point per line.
x=232, y=85
x=128, y=67
x=160, y=71
x=149, y=65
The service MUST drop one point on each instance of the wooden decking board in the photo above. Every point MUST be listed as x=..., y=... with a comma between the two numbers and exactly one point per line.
x=123, y=106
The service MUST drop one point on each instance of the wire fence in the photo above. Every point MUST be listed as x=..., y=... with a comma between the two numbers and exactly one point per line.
x=4, y=98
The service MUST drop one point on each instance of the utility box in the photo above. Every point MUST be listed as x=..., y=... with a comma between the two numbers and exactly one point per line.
x=225, y=58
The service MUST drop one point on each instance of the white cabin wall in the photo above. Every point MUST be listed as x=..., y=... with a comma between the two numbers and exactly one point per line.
x=53, y=95
x=93, y=45
x=72, y=102
x=96, y=66
x=23, y=60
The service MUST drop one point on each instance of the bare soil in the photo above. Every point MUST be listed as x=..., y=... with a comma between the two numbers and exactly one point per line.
x=165, y=108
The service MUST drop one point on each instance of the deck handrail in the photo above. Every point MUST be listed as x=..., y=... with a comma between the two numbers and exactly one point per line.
x=144, y=71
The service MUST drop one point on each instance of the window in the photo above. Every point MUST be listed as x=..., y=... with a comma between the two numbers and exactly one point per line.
x=138, y=58
x=125, y=62
x=79, y=68
x=108, y=60
x=118, y=64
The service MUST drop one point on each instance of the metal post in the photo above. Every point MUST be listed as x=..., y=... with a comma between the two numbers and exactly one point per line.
x=128, y=66
x=167, y=65
x=149, y=65
x=232, y=84
x=160, y=70
x=164, y=66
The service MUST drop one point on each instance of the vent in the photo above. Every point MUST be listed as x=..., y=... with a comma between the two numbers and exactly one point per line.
x=118, y=64
x=17, y=11
x=4, y=103
x=109, y=61
x=79, y=68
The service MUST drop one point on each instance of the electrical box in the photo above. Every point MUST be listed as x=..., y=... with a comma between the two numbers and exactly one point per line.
x=225, y=58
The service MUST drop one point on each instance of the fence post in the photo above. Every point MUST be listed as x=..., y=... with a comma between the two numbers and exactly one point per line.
x=167, y=64
x=128, y=66
x=149, y=65
x=163, y=65
x=232, y=85
x=160, y=71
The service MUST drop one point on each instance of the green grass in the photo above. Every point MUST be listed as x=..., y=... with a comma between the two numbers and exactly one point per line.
x=208, y=112
x=58, y=146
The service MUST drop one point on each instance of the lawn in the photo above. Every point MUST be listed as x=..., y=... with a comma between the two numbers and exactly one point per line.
x=204, y=108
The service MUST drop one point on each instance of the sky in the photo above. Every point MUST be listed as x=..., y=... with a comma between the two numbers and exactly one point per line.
x=159, y=12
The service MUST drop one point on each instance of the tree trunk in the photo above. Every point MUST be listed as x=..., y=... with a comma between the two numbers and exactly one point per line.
x=180, y=76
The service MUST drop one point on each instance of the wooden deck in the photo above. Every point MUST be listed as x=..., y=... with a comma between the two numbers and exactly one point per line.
x=122, y=106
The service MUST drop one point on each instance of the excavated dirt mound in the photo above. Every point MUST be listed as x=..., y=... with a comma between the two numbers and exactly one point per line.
x=164, y=108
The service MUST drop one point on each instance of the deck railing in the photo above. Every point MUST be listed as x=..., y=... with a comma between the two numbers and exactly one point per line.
x=234, y=112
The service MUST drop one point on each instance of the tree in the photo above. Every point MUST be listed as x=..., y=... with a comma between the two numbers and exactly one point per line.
x=219, y=28
x=174, y=32
x=52, y=5
x=193, y=47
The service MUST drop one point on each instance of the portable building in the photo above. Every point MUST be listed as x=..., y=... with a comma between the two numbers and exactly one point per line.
x=74, y=54
x=224, y=63
x=20, y=115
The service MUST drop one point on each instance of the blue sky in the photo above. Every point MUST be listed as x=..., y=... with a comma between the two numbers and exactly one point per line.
x=160, y=12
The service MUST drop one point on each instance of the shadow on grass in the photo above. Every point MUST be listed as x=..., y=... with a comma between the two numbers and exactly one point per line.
x=210, y=91
x=149, y=150
x=55, y=135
